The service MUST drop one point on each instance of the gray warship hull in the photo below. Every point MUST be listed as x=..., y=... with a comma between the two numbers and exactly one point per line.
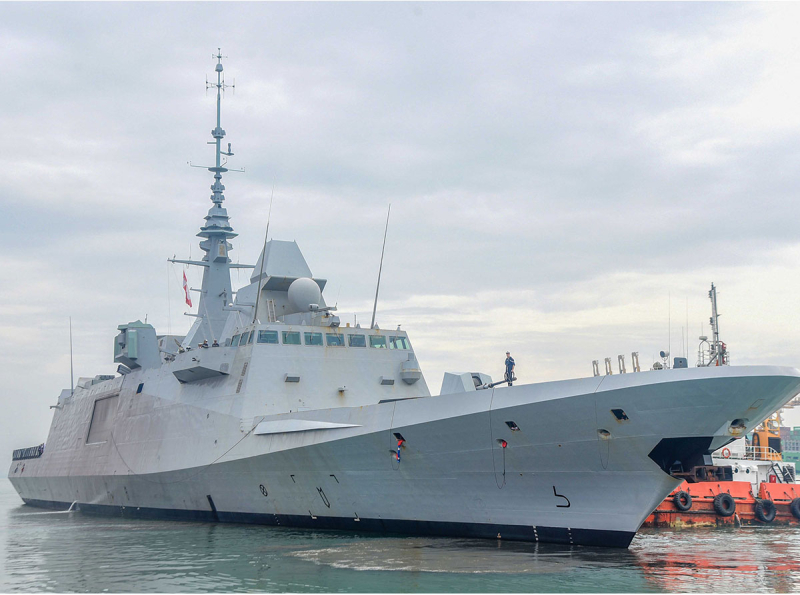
x=572, y=473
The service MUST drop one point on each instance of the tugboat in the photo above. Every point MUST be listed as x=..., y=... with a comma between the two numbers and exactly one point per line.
x=271, y=411
x=760, y=488
x=751, y=483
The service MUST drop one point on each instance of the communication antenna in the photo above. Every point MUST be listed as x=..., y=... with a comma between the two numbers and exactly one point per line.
x=71, y=374
x=683, y=344
x=687, y=327
x=218, y=133
x=669, y=323
x=169, y=308
x=380, y=268
x=264, y=253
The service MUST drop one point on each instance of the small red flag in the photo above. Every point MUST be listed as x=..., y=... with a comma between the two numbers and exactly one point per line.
x=186, y=290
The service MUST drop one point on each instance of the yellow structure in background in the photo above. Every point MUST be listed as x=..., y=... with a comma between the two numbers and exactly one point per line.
x=766, y=441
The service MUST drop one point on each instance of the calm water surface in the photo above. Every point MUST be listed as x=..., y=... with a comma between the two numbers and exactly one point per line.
x=65, y=552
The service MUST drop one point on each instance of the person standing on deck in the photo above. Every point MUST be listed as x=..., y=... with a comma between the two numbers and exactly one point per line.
x=509, y=368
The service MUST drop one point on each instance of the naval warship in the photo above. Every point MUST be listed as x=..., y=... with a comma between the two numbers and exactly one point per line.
x=271, y=411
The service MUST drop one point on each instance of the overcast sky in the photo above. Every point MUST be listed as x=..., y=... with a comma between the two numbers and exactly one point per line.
x=558, y=173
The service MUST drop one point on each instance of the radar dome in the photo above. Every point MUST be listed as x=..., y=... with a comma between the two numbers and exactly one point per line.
x=303, y=292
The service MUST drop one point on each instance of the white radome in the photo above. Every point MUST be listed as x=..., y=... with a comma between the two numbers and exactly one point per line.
x=303, y=293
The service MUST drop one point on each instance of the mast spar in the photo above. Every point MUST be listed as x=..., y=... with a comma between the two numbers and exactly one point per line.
x=216, y=291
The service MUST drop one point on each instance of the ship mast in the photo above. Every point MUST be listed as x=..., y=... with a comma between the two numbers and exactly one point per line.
x=716, y=351
x=215, y=294
x=714, y=320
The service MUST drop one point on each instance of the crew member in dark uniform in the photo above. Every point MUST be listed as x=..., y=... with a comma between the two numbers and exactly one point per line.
x=509, y=368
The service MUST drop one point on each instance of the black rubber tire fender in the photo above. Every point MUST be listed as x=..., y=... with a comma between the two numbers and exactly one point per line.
x=795, y=508
x=683, y=501
x=765, y=511
x=724, y=504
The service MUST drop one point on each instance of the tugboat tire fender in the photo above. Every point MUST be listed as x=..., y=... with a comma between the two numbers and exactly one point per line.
x=765, y=511
x=795, y=508
x=683, y=501
x=724, y=504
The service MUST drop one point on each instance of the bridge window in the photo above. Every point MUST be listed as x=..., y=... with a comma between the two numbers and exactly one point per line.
x=268, y=337
x=291, y=338
x=313, y=338
x=377, y=341
x=357, y=340
x=250, y=338
x=235, y=341
x=398, y=343
x=334, y=340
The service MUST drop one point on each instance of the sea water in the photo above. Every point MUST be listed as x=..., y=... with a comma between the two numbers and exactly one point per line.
x=42, y=550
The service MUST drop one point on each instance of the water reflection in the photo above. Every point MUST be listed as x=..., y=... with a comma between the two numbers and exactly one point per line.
x=72, y=552
x=746, y=559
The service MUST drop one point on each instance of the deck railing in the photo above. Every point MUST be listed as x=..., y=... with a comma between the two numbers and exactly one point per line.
x=33, y=452
x=756, y=453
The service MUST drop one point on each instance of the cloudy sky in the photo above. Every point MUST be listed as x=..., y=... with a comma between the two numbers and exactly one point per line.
x=564, y=178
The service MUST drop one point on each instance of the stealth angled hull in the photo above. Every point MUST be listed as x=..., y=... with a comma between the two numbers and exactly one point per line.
x=559, y=479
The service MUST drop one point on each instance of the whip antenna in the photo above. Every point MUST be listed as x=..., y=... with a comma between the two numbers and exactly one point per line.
x=71, y=375
x=264, y=253
x=380, y=268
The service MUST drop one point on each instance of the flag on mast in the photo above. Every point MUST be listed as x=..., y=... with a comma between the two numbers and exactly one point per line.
x=186, y=290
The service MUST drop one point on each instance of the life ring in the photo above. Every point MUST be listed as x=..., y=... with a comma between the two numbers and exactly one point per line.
x=682, y=501
x=765, y=511
x=724, y=504
x=795, y=508
x=726, y=453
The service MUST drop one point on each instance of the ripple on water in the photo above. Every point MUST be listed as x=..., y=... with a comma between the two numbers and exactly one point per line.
x=80, y=553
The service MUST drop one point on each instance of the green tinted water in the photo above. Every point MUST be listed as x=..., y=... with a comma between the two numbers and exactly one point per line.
x=67, y=552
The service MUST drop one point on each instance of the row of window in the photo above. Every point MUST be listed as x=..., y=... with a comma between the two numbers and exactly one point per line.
x=315, y=339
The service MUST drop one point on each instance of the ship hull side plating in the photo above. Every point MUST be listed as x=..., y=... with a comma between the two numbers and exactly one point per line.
x=559, y=479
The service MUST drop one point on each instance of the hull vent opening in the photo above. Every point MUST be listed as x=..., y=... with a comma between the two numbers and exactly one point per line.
x=620, y=415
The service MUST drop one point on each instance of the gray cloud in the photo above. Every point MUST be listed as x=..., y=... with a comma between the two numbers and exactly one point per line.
x=554, y=169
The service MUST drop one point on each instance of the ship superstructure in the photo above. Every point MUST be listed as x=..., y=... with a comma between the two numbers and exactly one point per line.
x=271, y=411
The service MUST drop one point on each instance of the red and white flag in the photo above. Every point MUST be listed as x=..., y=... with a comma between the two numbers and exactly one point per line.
x=186, y=290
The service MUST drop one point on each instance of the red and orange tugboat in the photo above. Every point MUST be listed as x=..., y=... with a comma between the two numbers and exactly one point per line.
x=748, y=484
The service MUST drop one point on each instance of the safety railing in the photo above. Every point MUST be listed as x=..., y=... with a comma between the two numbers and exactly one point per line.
x=754, y=453
x=33, y=452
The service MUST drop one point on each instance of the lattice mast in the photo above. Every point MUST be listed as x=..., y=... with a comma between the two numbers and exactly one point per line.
x=714, y=352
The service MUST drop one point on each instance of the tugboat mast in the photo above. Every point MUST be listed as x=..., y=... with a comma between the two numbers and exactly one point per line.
x=714, y=320
x=216, y=292
x=714, y=352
